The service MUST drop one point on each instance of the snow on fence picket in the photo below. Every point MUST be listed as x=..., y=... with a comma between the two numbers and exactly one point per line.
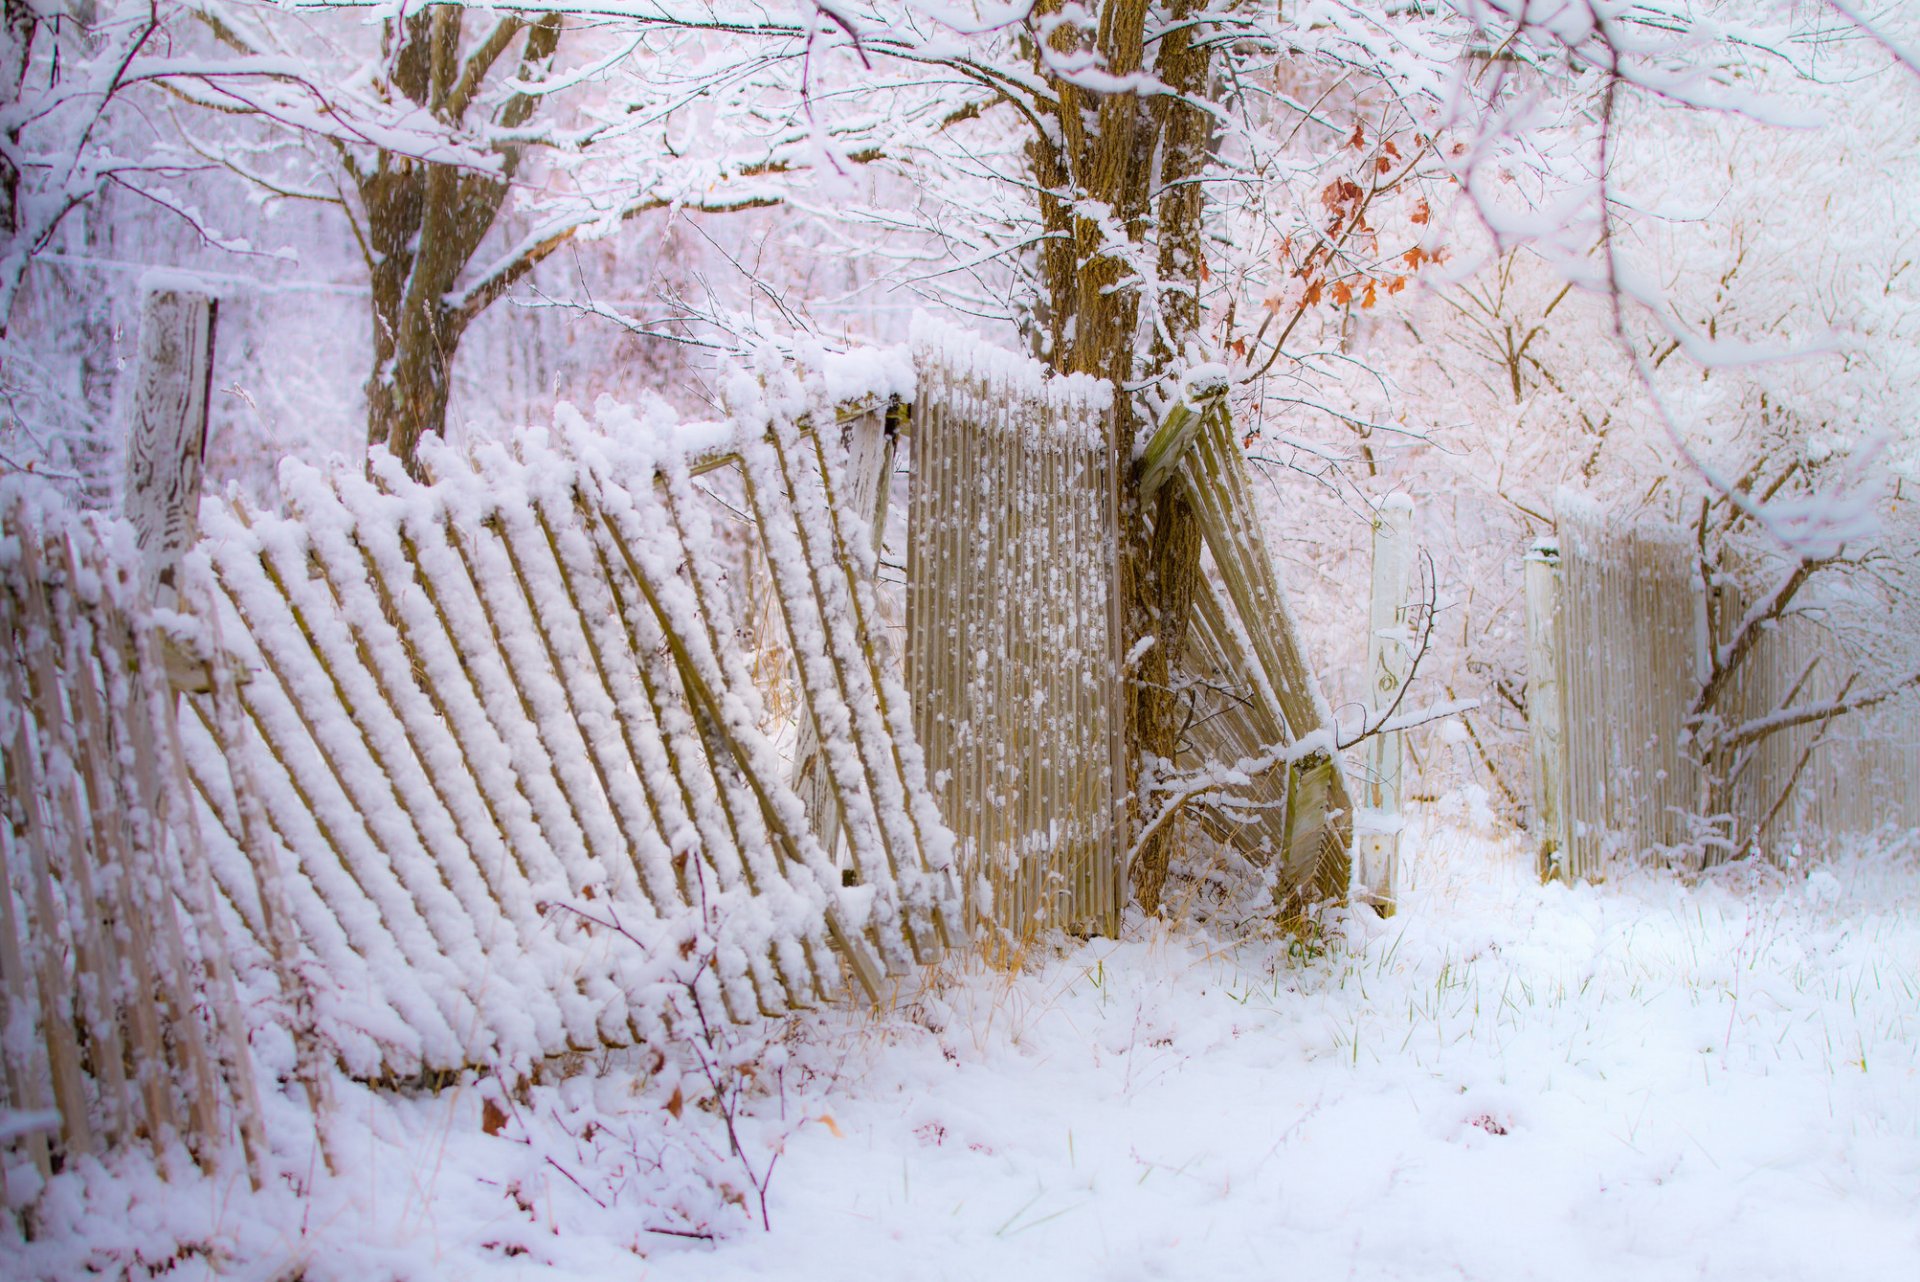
x=117, y=996
x=1013, y=633
x=513, y=759
x=1616, y=637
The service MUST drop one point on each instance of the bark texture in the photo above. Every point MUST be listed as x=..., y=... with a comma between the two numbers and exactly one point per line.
x=423, y=221
x=1119, y=179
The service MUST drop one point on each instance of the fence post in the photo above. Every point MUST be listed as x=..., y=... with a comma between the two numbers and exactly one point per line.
x=1544, y=719
x=1389, y=651
x=167, y=429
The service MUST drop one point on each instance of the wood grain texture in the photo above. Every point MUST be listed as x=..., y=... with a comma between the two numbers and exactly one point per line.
x=167, y=428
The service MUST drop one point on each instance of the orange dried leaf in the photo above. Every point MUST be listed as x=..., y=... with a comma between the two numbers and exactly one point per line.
x=1342, y=294
x=1414, y=257
x=492, y=1118
x=826, y=1120
x=1313, y=293
x=1421, y=212
x=1359, y=138
x=1368, y=299
x=1397, y=284
x=677, y=1104
x=1382, y=164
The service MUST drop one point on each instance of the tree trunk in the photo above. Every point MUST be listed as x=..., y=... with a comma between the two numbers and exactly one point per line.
x=1097, y=173
x=426, y=221
x=16, y=47
x=1161, y=598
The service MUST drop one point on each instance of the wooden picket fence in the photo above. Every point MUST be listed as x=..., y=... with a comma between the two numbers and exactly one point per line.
x=472, y=770
x=116, y=985
x=1016, y=654
x=1616, y=644
x=1014, y=649
x=497, y=714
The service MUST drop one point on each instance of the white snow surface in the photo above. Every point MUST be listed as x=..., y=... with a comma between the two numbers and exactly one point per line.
x=1646, y=1079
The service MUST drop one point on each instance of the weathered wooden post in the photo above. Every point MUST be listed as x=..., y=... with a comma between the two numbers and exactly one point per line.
x=1544, y=716
x=167, y=429
x=1389, y=654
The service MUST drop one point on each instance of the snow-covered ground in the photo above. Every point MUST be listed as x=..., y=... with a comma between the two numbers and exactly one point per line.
x=1644, y=1080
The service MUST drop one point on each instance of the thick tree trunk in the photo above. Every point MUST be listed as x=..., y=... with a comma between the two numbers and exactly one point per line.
x=1161, y=598
x=1097, y=173
x=426, y=221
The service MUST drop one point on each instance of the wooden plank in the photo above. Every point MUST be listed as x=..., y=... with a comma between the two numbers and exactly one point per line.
x=28, y=1075
x=1545, y=709
x=167, y=434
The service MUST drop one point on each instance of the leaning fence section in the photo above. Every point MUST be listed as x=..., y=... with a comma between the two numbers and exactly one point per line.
x=1259, y=740
x=1013, y=632
x=510, y=751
